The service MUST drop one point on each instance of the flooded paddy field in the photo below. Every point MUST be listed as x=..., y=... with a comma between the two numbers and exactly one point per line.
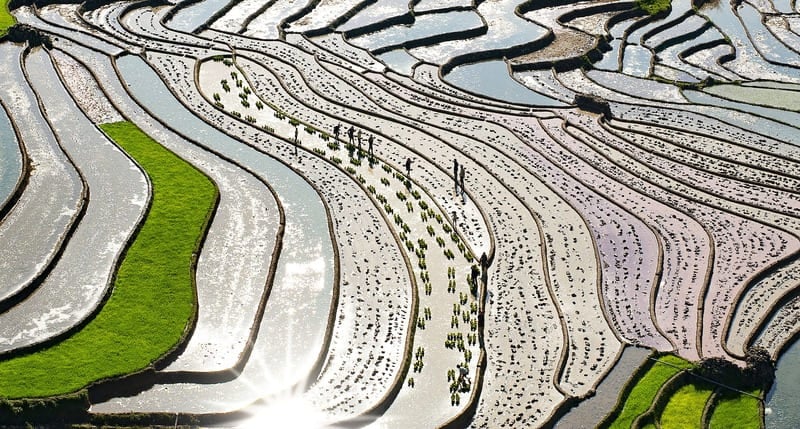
x=427, y=214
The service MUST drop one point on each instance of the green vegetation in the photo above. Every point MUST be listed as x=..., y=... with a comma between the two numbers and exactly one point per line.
x=685, y=407
x=6, y=19
x=642, y=394
x=153, y=296
x=739, y=411
x=654, y=7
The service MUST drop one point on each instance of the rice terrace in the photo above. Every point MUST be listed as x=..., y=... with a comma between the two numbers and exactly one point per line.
x=400, y=214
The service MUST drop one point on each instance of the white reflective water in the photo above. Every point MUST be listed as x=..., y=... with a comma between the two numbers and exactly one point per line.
x=296, y=316
x=191, y=17
x=492, y=79
x=10, y=159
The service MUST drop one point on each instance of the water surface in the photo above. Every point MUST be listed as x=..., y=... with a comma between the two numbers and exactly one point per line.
x=297, y=313
x=492, y=79
x=191, y=17
x=10, y=159
x=781, y=410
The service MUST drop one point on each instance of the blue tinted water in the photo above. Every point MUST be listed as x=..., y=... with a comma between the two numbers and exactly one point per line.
x=424, y=26
x=191, y=17
x=400, y=61
x=781, y=410
x=492, y=79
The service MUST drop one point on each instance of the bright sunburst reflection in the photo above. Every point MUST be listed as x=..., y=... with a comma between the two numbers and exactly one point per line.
x=291, y=411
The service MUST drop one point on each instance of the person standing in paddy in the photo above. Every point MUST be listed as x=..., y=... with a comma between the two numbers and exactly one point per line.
x=351, y=133
x=462, y=179
x=371, y=141
x=455, y=173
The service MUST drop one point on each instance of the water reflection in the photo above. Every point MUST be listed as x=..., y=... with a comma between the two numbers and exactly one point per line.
x=781, y=409
x=400, y=61
x=10, y=158
x=296, y=315
x=190, y=18
x=492, y=79
x=636, y=61
x=424, y=26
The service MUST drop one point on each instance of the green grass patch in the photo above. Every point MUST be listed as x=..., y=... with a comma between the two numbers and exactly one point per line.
x=684, y=409
x=643, y=393
x=6, y=19
x=653, y=7
x=737, y=411
x=153, y=297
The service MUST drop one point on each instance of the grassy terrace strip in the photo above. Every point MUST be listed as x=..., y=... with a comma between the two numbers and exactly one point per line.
x=6, y=19
x=654, y=7
x=643, y=393
x=737, y=411
x=685, y=407
x=153, y=297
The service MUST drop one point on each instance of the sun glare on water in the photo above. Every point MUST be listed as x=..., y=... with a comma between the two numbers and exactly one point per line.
x=286, y=412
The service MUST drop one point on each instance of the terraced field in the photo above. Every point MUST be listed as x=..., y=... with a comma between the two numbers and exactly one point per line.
x=395, y=214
